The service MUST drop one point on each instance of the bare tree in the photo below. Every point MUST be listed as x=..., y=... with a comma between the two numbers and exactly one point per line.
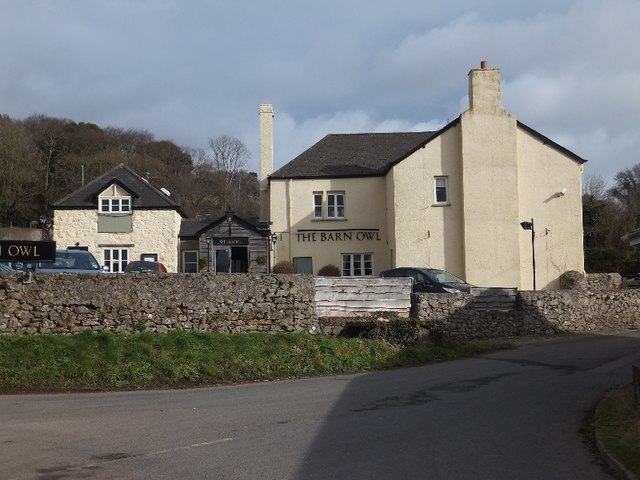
x=626, y=191
x=607, y=214
x=228, y=153
x=21, y=180
x=229, y=156
x=130, y=141
x=49, y=136
x=594, y=186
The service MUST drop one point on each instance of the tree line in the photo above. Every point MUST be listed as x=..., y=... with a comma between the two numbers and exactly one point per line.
x=607, y=214
x=43, y=158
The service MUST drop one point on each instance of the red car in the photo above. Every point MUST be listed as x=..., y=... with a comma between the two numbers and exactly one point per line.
x=140, y=266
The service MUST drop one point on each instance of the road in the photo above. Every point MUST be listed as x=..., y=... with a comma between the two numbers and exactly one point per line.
x=514, y=414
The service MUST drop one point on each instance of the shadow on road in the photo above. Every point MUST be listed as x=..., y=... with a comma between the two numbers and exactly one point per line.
x=510, y=414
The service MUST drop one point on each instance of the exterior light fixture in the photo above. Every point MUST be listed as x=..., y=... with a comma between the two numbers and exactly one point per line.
x=208, y=240
x=529, y=226
x=272, y=256
x=229, y=214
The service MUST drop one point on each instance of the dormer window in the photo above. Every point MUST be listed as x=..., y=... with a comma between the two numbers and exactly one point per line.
x=114, y=210
x=115, y=205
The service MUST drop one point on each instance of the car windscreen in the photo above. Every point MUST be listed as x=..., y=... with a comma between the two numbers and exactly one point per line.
x=71, y=261
x=143, y=267
x=441, y=276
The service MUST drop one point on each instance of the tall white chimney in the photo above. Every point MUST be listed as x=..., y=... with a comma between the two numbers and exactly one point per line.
x=266, y=158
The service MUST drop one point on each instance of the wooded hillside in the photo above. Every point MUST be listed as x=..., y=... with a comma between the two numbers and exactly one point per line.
x=43, y=159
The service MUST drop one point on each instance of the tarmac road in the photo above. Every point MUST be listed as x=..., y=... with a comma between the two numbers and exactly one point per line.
x=514, y=414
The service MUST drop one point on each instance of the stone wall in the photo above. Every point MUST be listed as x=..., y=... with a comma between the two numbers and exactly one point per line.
x=573, y=280
x=228, y=303
x=70, y=303
x=543, y=312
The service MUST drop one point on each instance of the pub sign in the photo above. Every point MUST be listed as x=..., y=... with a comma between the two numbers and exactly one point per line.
x=230, y=241
x=27, y=251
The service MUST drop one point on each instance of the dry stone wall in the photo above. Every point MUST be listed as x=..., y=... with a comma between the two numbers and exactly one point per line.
x=70, y=303
x=593, y=281
x=594, y=307
x=230, y=303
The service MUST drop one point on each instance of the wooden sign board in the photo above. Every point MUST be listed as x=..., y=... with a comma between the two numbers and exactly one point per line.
x=27, y=251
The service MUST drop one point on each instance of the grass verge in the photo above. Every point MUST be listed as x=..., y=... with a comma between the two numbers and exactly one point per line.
x=110, y=361
x=617, y=425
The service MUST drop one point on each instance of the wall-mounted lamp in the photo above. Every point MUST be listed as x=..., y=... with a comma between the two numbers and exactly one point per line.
x=229, y=214
x=562, y=192
x=529, y=226
x=208, y=240
x=272, y=255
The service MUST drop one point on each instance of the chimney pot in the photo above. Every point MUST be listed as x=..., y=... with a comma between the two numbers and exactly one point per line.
x=484, y=64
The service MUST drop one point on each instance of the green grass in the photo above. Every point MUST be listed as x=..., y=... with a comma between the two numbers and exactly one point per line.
x=110, y=361
x=617, y=424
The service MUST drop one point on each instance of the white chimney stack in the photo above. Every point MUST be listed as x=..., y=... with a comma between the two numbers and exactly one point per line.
x=484, y=89
x=266, y=158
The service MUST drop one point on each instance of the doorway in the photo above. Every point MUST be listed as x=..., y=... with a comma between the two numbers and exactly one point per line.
x=231, y=260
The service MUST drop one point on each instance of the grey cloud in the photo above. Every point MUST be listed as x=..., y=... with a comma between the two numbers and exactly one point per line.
x=188, y=71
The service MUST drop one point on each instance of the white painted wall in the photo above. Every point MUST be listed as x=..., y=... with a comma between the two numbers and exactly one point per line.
x=426, y=234
x=154, y=231
x=542, y=174
x=292, y=211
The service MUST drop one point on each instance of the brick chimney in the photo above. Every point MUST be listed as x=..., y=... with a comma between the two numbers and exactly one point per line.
x=266, y=159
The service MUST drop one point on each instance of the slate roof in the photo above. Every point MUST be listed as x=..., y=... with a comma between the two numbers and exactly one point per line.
x=192, y=228
x=144, y=195
x=354, y=155
x=372, y=154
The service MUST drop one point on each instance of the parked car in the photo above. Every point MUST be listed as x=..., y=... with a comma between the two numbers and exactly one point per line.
x=141, y=266
x=17, y=266
x=631, y=282
x=71, y=261
x=430, y=280
x=6, y=267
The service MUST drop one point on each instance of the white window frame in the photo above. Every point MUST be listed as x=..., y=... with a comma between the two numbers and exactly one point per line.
x=441, y=184
x=185, y=262
x=357, y=264
x=317, y=204
x=338, y=207
x=115, y=265
x=113, y=204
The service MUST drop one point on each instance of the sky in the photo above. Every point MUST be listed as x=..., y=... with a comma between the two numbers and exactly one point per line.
x=192, y=70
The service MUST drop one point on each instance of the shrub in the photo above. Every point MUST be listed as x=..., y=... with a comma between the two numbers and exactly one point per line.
x=391, y=328
x=329, y=271
x=283, y=266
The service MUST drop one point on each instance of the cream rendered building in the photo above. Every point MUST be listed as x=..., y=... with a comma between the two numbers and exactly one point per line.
x=120, y=217
x=452, y=199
